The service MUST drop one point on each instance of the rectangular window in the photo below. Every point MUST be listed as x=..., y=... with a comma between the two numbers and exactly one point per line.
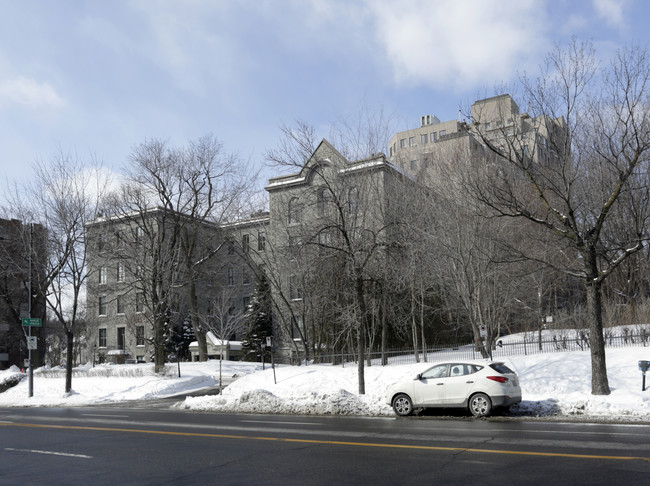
x=325, y=238
x=424, y=138
x=245, y=302
x=139, y=335
x=231, y=247
x=412, y=141
x=139, y=302
x=245, y=243
x=139, y=234
x=101, y=242
x=433, y=137
x=294, y=245
x=121, y=342
x=102, y=274
x=295, y=291
x=261, y=241
x=231, y=277
x=246, y=278
x=102, y=338
x=120, y=272
x=102, y=305
x=402, y=143
x=443, y=133
x=297, y=327
x=120, y=304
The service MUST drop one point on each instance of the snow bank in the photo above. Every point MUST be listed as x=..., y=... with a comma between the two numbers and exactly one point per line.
x=555, y=384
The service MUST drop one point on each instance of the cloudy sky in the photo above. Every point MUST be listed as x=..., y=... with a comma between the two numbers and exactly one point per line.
x=96, y=77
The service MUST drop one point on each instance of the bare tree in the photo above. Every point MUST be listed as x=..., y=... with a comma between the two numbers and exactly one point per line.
x=340, y=212
x=577, y=169
x=225, y=321
x=65, y=196
x=175, y=200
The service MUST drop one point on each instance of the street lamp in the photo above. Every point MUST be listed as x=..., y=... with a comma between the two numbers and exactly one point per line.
x=94, y=349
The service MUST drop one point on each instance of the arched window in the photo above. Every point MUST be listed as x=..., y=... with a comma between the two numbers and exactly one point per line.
x=294, y=210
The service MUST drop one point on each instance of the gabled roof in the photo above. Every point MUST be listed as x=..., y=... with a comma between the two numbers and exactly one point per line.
x=324, y=154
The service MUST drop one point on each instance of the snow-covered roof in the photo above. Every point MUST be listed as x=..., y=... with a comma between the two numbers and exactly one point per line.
x=215, y=341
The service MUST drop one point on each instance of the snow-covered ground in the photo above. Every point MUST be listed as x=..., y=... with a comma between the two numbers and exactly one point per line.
x=556, y=384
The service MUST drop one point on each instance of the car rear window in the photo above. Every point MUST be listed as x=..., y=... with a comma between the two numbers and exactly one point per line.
x=501, y=368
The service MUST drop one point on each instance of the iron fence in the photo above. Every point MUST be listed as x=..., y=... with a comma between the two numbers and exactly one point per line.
x=521, y=344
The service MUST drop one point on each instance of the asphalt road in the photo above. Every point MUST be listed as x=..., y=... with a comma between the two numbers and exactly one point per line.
x=104, y=445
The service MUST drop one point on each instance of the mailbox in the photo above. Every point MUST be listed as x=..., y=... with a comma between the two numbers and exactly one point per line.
x=644, y=366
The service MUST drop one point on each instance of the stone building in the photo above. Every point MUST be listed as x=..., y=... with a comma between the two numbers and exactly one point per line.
x=331, y=228
x=331, y=225
x=17, y=242
x=137, y=274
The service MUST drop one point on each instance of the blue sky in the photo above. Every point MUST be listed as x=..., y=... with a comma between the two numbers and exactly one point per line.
x=97, y=77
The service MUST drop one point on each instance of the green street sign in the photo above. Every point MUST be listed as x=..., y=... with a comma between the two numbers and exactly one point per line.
x=32, y=322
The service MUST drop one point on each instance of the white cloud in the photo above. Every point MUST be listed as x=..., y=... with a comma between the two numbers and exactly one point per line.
x=450, y=43
x=611, y=11
x=29, y=92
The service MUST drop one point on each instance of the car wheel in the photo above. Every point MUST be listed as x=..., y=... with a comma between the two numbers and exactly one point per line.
x=402, y=405
x=480, y=405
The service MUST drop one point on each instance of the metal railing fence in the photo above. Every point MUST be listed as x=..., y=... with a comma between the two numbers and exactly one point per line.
x=504, y=347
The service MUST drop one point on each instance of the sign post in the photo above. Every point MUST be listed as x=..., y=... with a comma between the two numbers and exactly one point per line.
x=32, y=343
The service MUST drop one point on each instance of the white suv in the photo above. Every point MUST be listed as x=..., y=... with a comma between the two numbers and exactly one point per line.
x=479, y=386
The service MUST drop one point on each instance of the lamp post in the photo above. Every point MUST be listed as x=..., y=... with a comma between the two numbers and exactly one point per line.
x=94, y=349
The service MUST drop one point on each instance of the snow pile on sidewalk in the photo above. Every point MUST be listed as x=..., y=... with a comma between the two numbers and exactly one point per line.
x=552, y=384
x=116, y=383
x=555, y=384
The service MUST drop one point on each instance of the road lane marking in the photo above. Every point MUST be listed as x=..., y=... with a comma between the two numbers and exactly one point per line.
x=282, y=423
x=102, y=415
x=51, y=453
x=334, y=442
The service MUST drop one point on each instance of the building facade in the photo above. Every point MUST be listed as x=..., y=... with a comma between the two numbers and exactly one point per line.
x=22, y=250
x=326, y=241
x=138, y=275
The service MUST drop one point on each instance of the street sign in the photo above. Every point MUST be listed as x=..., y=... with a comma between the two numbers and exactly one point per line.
x=32, y=342
x=268, y=341
x=483, y=330
x=32, y=322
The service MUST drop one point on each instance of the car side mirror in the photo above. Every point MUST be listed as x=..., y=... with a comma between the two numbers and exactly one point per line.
x=418, y=377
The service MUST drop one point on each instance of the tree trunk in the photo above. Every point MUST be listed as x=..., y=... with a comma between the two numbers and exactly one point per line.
x=423, y=338
x=361, y=335
x=199, y=332
x=414, y=327
x=159, y=345
x=384, y=330
x=599, y=381
x=69, y=360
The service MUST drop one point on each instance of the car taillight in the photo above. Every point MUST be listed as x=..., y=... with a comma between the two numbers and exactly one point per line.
x=500, y=379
